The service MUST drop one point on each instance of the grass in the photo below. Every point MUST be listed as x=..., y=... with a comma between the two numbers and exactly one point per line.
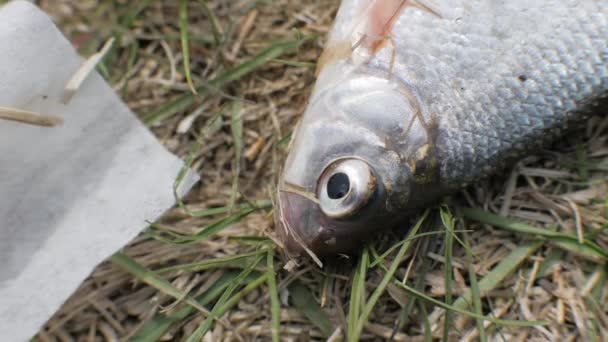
x=509, y=258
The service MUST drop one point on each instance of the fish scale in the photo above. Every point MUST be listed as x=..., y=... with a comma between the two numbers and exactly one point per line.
x=589, y=81
x=454, y=91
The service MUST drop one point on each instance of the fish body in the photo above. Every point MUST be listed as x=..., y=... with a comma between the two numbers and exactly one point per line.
x=415, y=100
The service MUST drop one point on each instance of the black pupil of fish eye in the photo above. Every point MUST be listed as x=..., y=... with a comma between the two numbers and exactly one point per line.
x=338, y=185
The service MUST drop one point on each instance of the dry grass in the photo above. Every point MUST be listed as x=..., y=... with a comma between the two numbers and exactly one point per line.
x=564, y=189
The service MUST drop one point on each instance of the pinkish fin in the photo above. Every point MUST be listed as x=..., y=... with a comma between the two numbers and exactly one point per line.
x=382, y=15
x=371, y=29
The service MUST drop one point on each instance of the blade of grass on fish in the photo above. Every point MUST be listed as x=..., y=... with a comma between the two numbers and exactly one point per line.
x=212, y=126
x=448, y=223
x=275, y=305
x=475, y=294
x=306, y=304
x=156, y=327
x=373, y=299
x=151, y=278
x=357, y=295
x=184, y=101
x=236, y=126
x=443, y=305
x=215, y=24
x=226, y=301
x=284, y=140
x=183, y=32
x=587, y=249
x=238, y=261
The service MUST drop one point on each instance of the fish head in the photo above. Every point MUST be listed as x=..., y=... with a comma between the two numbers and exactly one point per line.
x=350, y=171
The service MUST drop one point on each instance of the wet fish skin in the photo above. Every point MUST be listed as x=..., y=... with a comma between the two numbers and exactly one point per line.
x=448, y=99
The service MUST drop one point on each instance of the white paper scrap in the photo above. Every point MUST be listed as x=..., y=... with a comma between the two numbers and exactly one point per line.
x=73, y=194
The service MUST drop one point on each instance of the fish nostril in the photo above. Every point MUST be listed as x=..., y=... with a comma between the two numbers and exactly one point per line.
x=338, y=185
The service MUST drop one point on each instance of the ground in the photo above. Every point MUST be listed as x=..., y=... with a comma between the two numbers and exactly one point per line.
x=252, y=64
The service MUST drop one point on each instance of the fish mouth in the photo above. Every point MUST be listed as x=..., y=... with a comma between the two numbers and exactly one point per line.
x=297, y=220
x=304, y=228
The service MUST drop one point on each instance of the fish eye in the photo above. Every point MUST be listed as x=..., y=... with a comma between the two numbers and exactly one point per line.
x=345, y=187
x=338, y=185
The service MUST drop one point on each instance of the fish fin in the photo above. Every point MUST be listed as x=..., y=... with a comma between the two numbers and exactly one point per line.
x=381, y=15
x=371, y=29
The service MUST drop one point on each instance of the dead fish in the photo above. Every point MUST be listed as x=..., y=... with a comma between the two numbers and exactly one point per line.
x=417, y=99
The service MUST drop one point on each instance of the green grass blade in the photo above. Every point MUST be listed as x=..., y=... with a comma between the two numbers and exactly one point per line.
x=554, y=257
x=588, y=249
x=582, y=162
x=371, y=303
x=151, y=278
x=239, y=261
x=232, y=301
x=183, y=30
x=225, y=306
x=378, y=259
x=294, y=63
x=507, y=266
x=204, y=234
x=419, y=285
x=273, y=292
x=214, y=124
x=357, y=295
x=426, y=324
x=156, y=327
x=248, y=240
x=215, y=24
x=261, y=204
x=448, y=222
x=305, y=303
x=475, y=294
x=184, y=101
x=284, y=141
x=236, y=126
x=226, y=301
x=133, y=12
x=443, y=305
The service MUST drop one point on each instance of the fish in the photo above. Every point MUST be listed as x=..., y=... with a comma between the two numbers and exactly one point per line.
x=415, y=100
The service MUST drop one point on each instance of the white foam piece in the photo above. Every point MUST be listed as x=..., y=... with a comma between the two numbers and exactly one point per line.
x=71, y=195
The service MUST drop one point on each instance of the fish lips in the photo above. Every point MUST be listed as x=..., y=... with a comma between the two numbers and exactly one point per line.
x=303, y=227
